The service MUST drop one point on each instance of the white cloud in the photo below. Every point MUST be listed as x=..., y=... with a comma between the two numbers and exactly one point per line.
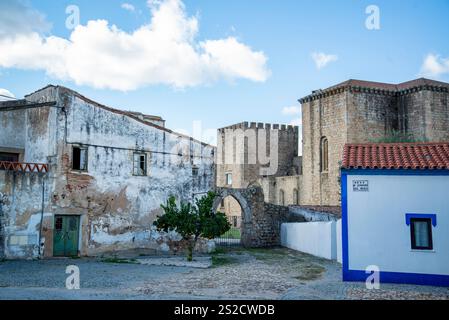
x=165, y=51
x=321, y=59
x=128, y=7
x=4, y=94
x=434, y=66
x=291, y=111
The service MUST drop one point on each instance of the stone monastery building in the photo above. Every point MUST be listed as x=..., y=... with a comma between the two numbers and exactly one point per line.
x=353, y=111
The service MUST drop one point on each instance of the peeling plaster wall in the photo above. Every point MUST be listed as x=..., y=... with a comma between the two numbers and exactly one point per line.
x=21, y=212
x=13, y=129
x=116, y=208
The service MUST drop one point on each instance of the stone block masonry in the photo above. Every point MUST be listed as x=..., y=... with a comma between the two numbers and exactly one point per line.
x=359, y=112
x=262, y=221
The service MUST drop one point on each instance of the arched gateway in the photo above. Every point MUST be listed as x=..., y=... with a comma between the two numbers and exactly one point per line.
x=261, y=221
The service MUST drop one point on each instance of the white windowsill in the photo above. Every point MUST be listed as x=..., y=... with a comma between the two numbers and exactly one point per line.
x=423, y=251
x=79, y=171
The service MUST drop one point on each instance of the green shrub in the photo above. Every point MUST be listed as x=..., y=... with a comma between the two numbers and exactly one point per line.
x=193, y=221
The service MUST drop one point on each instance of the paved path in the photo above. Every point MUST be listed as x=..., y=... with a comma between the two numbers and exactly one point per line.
x=98, y=280
x=237, y=274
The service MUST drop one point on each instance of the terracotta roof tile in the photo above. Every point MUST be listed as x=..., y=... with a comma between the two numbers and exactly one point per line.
x=415, y=156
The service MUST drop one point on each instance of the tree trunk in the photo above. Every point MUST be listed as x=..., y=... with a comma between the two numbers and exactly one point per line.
x=190, y=251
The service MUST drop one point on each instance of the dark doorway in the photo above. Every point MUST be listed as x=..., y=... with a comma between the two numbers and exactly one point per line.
x=9, y=157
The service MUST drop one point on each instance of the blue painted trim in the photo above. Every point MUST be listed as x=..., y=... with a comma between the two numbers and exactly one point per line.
x=410, y=216
x=395, y=172
x=385, y=277
x=399, y=277
x=344, y=223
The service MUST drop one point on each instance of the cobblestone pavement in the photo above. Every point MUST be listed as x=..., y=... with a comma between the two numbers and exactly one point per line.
x=237, y=274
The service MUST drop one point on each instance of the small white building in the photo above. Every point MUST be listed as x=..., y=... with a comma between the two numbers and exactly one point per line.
x=395, y=212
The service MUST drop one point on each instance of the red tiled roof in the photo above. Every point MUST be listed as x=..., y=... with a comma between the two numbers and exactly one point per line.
x=396, y=156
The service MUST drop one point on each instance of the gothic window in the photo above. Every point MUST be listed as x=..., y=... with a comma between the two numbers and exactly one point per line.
x=228, y=177
x=324, y=155
x=295, y=197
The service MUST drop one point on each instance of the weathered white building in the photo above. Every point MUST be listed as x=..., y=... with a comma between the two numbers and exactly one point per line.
x=80, y=178
x=395, y=212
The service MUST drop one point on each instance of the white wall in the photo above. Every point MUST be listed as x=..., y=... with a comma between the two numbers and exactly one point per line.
x=378, y=234
x=315, y=238
x=339, y=242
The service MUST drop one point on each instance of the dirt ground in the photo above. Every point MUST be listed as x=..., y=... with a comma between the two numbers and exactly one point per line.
x=237, y=273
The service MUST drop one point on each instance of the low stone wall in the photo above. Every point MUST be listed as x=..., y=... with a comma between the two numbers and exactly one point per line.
x=152, y=242
x=267, y=226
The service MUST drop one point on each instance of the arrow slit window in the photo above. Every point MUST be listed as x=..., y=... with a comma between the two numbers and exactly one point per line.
x=324, y=154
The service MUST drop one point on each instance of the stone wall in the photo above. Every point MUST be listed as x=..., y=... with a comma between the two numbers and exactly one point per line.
x=241, y=146
x=424, y=115
x=21, y=209
x=261, y=221
x=370, y=116
x=351, y=114
x=324, y=117
x=290, y=185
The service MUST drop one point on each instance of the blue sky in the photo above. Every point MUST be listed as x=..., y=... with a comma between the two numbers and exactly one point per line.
x=280, y=38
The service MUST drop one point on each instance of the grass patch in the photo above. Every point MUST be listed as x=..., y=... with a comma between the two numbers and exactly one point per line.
x=220, y=257
x=267, y=254
x=310, y=272
x=219, y=250
x=233, y=233
x=220, y=261
x=118, y=260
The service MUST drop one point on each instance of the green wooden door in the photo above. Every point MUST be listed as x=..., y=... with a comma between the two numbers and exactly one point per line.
x=65, y=238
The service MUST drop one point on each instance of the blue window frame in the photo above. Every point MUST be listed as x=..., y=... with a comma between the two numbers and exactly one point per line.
x=421, y=230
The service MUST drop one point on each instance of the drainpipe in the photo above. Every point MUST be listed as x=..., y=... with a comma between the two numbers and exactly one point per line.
x=42, y=217
x=2, y=249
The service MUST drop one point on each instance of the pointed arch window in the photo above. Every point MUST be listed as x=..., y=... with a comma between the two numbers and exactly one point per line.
x=295, y=197
x=324, y=155
x=281, y=198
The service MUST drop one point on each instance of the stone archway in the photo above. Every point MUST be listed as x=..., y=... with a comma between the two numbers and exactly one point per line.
x=261, y=221
x=240, y=196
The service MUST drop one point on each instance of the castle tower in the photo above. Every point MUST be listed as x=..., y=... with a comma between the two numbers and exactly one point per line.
x=247, y=152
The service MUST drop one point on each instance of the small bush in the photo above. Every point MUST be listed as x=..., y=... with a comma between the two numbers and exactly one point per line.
x=193, y=221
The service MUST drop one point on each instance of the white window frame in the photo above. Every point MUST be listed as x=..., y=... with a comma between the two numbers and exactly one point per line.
x=137, y=162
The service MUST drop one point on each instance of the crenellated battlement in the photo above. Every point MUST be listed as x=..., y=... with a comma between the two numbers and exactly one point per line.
x=260, y=125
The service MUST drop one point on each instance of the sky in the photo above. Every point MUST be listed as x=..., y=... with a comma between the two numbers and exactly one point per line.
x=206, y=64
